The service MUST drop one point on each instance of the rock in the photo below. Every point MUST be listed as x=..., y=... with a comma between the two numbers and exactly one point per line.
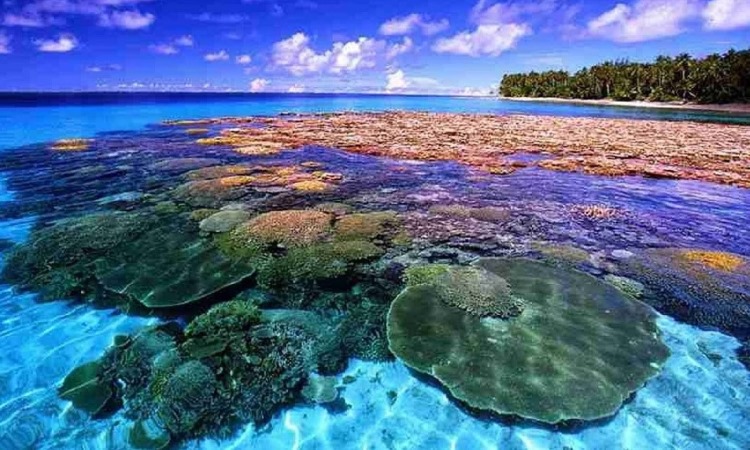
x=224, y=221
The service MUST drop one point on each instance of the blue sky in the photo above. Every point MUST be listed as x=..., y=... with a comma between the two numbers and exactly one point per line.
x=441, y=46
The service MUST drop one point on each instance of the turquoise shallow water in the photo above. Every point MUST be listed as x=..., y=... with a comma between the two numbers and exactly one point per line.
x=699, y=401
x=25, y=120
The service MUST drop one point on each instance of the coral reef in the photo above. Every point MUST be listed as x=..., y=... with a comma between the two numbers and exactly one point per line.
x=365, y=226
x=678, y=149
x=320, y=389
x=577, y=352
x=71, y=145
x=705, y=288
x=223, y=221
x=289, y=228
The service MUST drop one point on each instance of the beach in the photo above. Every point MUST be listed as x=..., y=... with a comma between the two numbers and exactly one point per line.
x=730, y=108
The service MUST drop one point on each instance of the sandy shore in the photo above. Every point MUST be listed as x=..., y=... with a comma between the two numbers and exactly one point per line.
x=730, y=108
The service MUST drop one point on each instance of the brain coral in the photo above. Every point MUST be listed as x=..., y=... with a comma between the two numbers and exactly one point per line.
x=578, y=350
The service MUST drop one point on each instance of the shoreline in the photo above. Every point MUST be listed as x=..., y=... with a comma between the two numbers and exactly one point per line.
x=729, y=108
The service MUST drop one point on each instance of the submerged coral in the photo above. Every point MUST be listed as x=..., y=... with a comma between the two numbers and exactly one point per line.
x=289, y=228
x=71, y=145
x=577, y=352
x=701, y=287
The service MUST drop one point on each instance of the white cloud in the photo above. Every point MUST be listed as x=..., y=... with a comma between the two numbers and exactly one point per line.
x=295, y=55
x=221, y=55
x=645, y=20
x=172, y=48
x=63, y=44
x=258, y=85
x=243, y=59
x=489, y=40
x=296, y=89
x=185, y=41
x=513, y=11
x=163, y=49
x=398, y=82
x=399, y=48
x=4, y=43
x=126, y=20
x=399, y=26
x=726, y=14
x=24, y=19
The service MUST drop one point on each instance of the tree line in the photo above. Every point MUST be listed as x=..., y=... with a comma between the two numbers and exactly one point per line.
x=717, y=78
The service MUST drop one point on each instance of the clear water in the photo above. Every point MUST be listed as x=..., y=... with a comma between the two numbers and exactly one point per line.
x=700, y=400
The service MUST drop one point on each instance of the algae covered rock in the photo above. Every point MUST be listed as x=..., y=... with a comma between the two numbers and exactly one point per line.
x=320, y=389
x=577, y=351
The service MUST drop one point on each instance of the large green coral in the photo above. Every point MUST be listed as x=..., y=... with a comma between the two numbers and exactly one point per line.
x=577, y=351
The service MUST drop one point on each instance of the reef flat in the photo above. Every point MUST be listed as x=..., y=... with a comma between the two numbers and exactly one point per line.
x=270, y=253
x=662, y=149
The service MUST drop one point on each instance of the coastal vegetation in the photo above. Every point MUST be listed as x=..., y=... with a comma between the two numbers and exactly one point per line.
x=716, y=78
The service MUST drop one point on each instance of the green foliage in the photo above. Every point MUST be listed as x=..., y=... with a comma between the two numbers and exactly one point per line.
x=713, y=79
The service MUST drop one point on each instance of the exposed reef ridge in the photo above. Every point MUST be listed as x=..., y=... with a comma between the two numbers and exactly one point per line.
x=676, y=150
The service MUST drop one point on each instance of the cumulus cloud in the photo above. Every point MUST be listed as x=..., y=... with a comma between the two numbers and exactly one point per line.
x=399, y=26
x=243, y=59
x=42, y=13
x=726, y=14
x=185, y=41
x=126, y=20
x=499, y=27
x=295, y=55
x=489, y=40
x=163, y=49
x=221, y=55
x=296, y=89
x=62, y=44
x=4, y=43
x=258, y=85
x=645, y=20
x=172, y=48
x=398, y=81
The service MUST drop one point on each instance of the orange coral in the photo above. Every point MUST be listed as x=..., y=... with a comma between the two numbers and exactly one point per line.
x=726, y=262
x=71, y=145
x=290, y=228
x=311, y=186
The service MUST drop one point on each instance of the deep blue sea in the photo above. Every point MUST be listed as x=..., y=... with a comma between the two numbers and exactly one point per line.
x=701, y=399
